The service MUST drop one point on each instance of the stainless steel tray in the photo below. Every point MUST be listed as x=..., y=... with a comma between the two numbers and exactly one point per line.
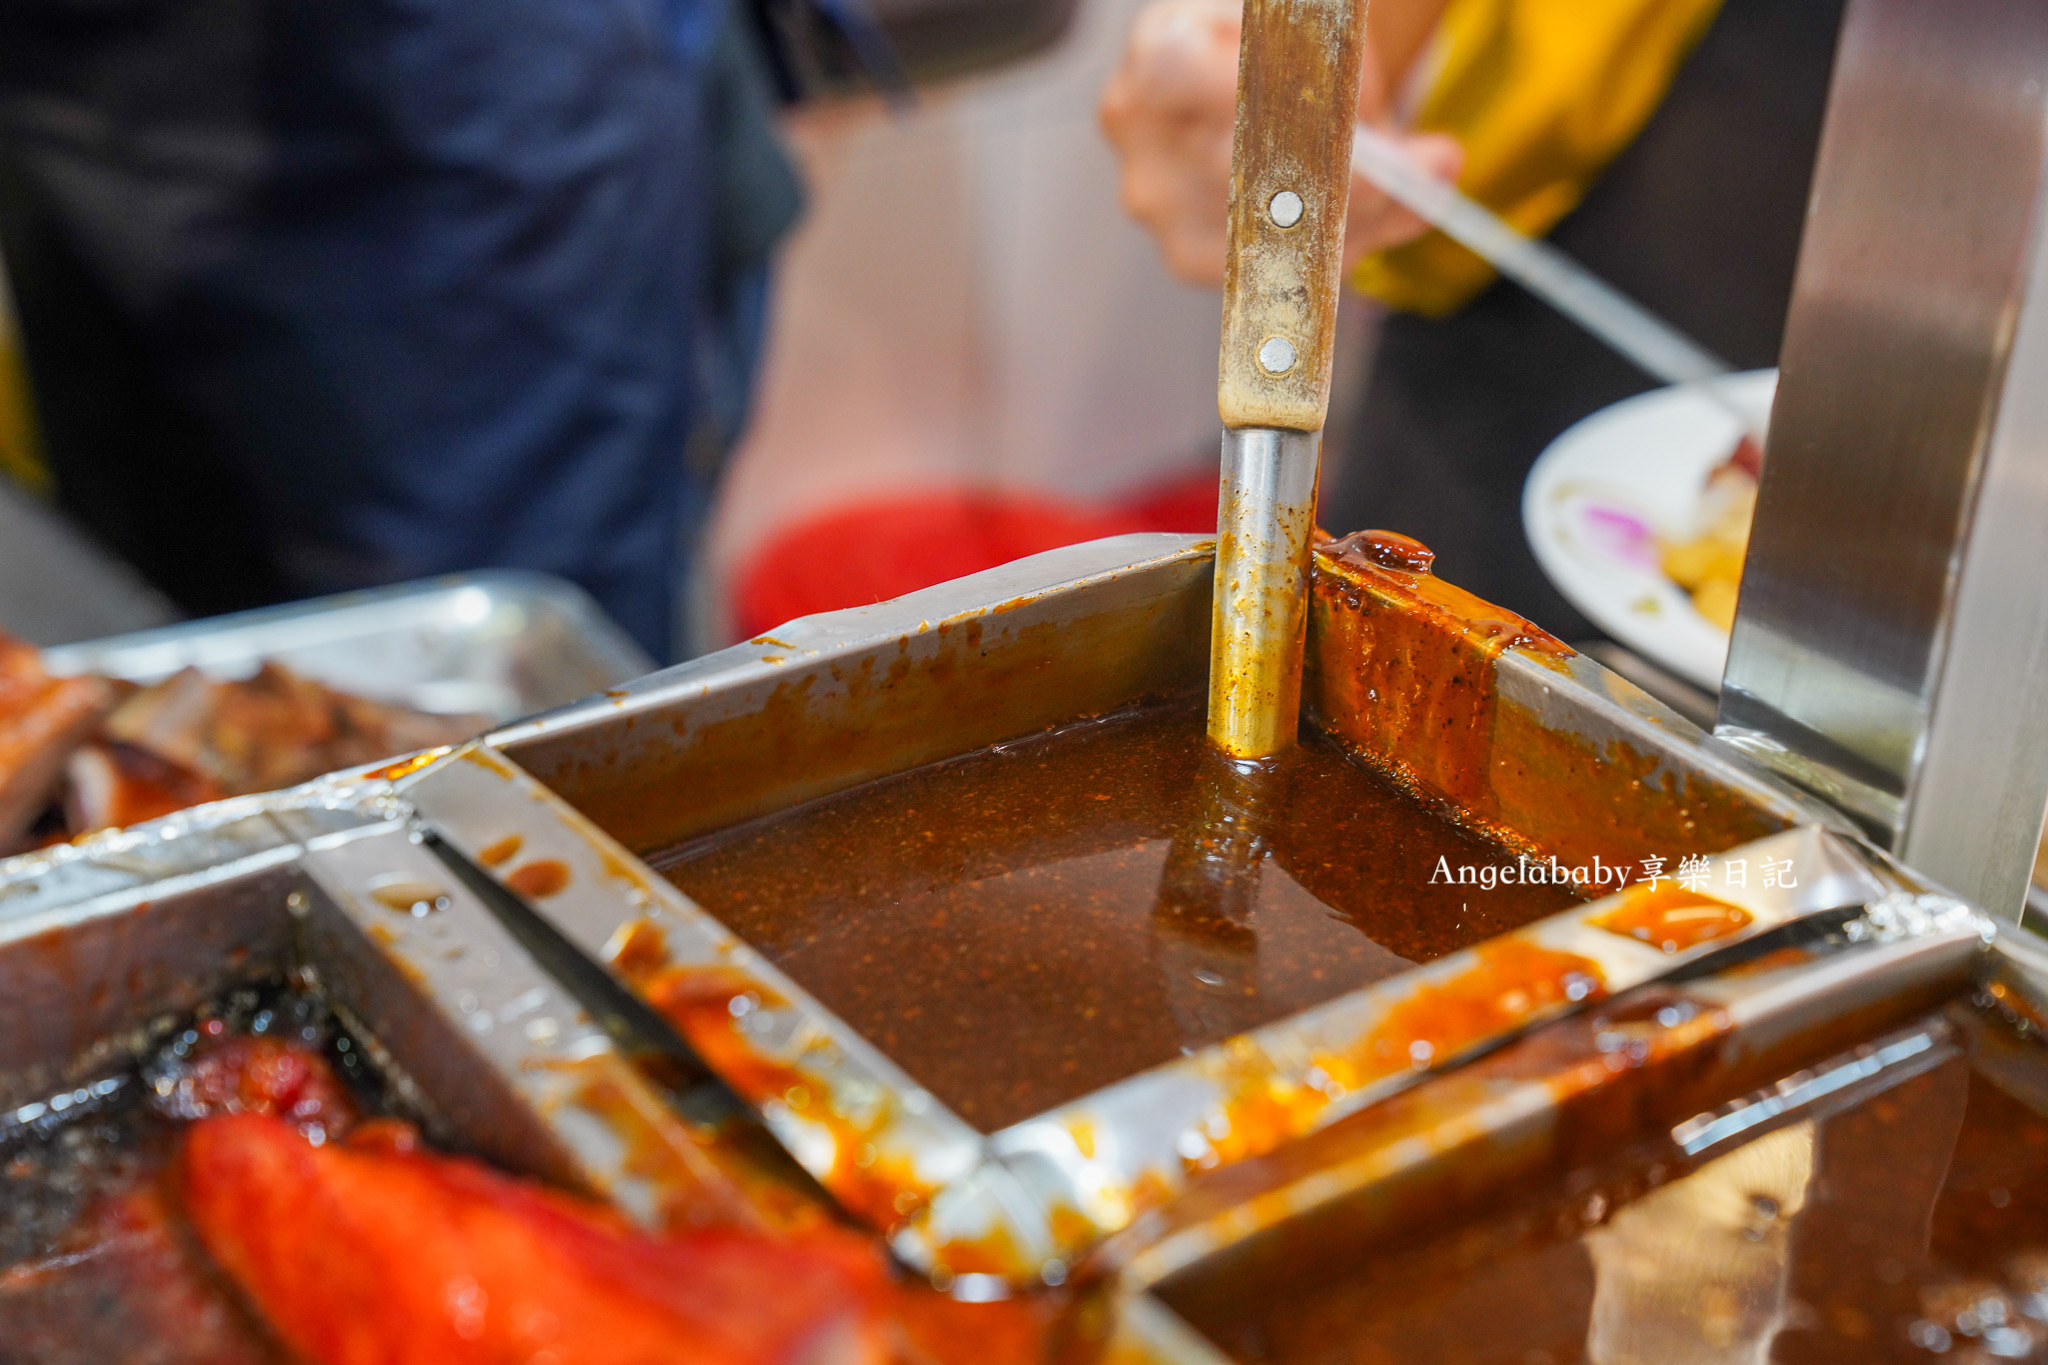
x=501, y=644
x=507, y=1054
x=472, y=999
x=505, y=1060
x=1697, y=1067
x=1660, y=1054
x=830, y=701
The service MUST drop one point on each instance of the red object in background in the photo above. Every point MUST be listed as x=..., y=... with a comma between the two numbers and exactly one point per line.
x=372, y=1255
x=883, y=548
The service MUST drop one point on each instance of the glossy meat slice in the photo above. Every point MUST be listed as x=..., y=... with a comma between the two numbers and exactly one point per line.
x=274, y=729
x=111, y=784
x=42, y=719
x=365, y=1254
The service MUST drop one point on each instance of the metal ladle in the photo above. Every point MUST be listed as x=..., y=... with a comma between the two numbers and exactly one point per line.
x=1290, y=179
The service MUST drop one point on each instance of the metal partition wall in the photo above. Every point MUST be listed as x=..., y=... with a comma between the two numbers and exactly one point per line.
x=1891, y=648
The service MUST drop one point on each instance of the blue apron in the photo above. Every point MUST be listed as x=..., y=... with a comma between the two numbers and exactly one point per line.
x=450, y=284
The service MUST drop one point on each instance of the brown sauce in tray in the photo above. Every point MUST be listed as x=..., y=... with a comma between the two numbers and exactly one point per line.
x=1912, y=1226
x=1042, y=918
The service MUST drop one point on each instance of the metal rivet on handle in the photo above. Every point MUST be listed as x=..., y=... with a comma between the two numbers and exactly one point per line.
x=1276, y=355
x=1286, y=208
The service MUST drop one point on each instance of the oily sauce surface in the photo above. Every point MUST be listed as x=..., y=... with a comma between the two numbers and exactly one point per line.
x=1029, y=923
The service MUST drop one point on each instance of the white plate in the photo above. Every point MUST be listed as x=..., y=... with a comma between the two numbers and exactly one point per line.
x=1602, y=494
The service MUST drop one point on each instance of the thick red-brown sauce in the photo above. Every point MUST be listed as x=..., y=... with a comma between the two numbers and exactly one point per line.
x=997, y=924
x=1512, y=981
x=540, y=878
x=1425, y=680
x=1401, y=668
x=1918, y=1230
x=1672, y=919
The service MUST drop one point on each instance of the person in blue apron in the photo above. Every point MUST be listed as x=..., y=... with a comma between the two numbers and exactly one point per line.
x=322, y=294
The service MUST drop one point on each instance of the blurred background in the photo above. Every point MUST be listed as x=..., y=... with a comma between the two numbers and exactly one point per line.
x=722, y=312
x=971, y=352
x=974, y=354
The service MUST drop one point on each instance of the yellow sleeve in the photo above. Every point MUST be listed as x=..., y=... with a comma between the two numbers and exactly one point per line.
x=1541, y=94
x=19, y=456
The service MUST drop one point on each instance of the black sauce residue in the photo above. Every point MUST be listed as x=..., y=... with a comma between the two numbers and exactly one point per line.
x=97, y=1264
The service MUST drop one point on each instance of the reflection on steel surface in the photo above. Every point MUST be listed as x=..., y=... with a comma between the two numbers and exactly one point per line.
x=1261, y=614
x=501, y=644
x=1836, y=1086
x=1893, y=621
x=1688, y=1274
x=1555, y=1094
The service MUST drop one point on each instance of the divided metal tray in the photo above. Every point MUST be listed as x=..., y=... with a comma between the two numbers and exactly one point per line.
x=505, y=1061
x=832, y=701
x=454, y=910
x=506, y=1052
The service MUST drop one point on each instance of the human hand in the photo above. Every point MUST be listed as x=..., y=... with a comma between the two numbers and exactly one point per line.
x=1169, y=109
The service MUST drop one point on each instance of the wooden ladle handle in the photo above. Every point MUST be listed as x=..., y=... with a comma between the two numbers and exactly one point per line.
x=1290, y=183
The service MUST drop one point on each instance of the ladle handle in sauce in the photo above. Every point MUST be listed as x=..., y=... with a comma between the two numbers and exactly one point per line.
x=1290, y=183
x=1258, y=622
x=1298, y=70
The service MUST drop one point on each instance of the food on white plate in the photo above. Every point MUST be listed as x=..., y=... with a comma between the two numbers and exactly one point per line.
x=1709, y=564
